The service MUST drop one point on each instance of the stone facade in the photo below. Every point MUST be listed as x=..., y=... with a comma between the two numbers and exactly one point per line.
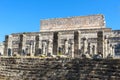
x=73, y=37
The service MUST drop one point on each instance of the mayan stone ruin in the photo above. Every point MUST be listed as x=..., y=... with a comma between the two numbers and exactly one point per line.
x=73, y=48
x=72, y=37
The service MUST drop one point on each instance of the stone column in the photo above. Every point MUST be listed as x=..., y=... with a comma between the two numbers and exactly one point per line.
x=100, y=43
x=9, y=50
x=40, y=41
x=50, y=47
x=76, y=44
x=20, y=44
x=113, y=51
x=66, y=46
x=79, y=41
x=24, y=45
x=43, y=48
x=59, y=43
x=27, y=50
x=72, y=50
x=89, y=48
x=55, y=43
x=31, y=54
x=38, y=45
x=44, y=45
x=6, y=46
x=106, y=47
x=95, y=49
x=33, y=46
x=84, y=45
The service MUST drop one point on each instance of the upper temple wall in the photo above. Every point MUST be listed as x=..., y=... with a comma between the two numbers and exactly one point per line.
x=73, y=23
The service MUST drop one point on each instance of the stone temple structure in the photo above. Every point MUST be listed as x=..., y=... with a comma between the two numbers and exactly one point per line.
x=74, y=37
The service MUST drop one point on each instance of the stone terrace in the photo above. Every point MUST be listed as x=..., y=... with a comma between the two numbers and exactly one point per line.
x=58, y=69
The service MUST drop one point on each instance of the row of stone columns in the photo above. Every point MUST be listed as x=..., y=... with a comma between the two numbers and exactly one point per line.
x=103, y=46
x=88, y=48
x=27, y=48
x=109, y=49
x=67, y=47
x=44, y=47
x=71, y=48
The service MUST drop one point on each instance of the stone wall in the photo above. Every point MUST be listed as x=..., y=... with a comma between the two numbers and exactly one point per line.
x=1, y=48
x=73, y=23
x=58, y=69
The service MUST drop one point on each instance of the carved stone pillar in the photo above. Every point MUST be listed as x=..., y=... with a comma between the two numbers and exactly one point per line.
x=100, y=43
x=59, y=44
x=105, y=47
x=55, y=43
x=108, y=48
x=40, y=44
x=20, y=44
x=31, y=54
x=50, y=47
x=76, y=44
x=85, y=45
x=89, y=48
x=66, y=46
x=79, y=41
x=24, y=45
x=9, y=48
x=33, y=46
x=93, y=50
x=6, y=46
x=72, y=50
x=44, y=48
x=113, y=51
x=40, y=41
x=27, y=50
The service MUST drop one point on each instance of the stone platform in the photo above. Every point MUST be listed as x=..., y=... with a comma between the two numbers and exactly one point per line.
x=58, y=69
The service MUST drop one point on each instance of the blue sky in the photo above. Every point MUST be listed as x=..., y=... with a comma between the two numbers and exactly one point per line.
x=25, y=15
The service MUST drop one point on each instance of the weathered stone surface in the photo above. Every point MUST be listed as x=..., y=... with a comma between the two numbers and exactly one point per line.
x=58, y=69
x=73, y=23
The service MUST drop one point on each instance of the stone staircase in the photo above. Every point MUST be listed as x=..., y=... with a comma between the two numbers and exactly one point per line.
x=58, y=69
